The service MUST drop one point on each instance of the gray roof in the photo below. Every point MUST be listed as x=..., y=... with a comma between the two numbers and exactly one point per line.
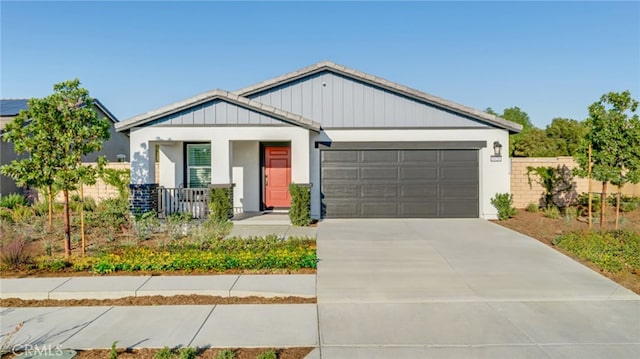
x=380, y=82
x=226, y=96
x=11, y=107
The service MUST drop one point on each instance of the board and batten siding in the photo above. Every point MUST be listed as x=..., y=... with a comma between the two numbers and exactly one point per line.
x=216, y=112
x=341, y=102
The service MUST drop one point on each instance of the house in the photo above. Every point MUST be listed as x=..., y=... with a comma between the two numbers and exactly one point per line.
x=368, y=147
x=116, y=149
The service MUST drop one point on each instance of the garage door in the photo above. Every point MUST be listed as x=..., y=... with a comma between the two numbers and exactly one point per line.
x=400, y=183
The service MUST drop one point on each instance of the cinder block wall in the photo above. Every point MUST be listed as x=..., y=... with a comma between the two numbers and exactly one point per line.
x=100, y=190
x=523, y=193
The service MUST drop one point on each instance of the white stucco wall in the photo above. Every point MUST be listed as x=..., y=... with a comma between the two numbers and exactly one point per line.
x=494, y=176
x=246, y=176
x=171, y=165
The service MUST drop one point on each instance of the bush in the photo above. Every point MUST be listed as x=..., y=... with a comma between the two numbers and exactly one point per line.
x=269, y=354
x=15, y=253
x=114, y=212
x=12, y=201
x=552, y=212
x=627, y=203
x=532, y=207
x=221, y=204
x=22, y=214
x=300, y=211
x=612, y=251
x=226, y=354
x=583, y=203
x=504, y=204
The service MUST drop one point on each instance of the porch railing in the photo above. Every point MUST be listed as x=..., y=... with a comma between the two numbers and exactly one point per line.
x=183, y=200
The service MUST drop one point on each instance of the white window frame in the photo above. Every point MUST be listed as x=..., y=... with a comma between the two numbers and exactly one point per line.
x=189, y=166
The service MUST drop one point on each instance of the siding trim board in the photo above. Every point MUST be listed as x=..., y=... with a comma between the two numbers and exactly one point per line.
x=412, y=145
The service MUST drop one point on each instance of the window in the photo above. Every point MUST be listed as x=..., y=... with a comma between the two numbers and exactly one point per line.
x=198, y=165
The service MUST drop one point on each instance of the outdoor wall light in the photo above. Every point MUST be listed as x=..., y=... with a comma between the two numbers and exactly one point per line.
x=497, y=149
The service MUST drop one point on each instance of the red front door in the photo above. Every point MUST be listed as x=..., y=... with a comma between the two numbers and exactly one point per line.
x=277, y=176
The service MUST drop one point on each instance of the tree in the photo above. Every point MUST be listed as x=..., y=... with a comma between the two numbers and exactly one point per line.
x=566, y=134
x=613, y=132
x=53, y=134
x=533, y=143
x=515, y=114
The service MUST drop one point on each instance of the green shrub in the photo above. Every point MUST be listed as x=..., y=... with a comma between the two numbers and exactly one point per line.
x=221, y=204
x=12, y=201
x=226, y=354
x=117, y=178
x=146, y=224
x=504, y=204
x=22, y=214
x=164, y=353
x=552, y=212
x=300, y=211
x=114, y=212
x=583, y=203
x=612, y=251
x=187, y=353
x=532, y=207
x=627, y=203
x=269, y=354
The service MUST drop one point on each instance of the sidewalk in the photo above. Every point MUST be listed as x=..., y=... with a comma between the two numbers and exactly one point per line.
x=241, y=285
x=223, y=326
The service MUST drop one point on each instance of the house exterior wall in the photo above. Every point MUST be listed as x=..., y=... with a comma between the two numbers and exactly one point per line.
x=215, y=112
x=7, y=184
x=339, y=102
x=172, y=162
x=235, y=155
x=117, y=144
x=494, y=176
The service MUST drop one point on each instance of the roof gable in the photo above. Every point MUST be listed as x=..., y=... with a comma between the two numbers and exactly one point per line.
x=256, y=90
x=185, y=112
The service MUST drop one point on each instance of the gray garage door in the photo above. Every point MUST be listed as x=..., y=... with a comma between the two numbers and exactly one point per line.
x=400, y=183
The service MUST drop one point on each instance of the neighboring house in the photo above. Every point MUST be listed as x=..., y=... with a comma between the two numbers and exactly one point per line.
x=115, y=149
x=368, y=147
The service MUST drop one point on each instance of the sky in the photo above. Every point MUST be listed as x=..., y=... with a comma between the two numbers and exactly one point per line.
x=551, y=59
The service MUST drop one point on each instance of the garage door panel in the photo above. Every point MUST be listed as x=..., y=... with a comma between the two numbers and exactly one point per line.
x=421, y=191
x=457, y=209
x=419, y=156
x=457, y=191
x=337, y=173
x=400, y=183
x=339, y=156
x=419, y=210
x=378, y=173
x=379, y=156
x=379, y=190
x=457, y=173
x=379, y=209
x=459, y=156
x=341, y=190
x=419, y=173
x=342, y=209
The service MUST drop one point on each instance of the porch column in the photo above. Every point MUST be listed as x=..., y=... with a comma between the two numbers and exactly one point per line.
x=143, y=190
x=300, y=158
x=221, y=161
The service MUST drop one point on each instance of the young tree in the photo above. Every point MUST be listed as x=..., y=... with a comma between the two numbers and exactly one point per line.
x=613, y=132
x=55, y=134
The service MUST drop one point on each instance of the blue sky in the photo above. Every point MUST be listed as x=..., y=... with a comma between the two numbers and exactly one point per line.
x=552, y=59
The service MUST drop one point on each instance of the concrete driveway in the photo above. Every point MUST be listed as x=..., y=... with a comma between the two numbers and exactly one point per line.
x=463, y=289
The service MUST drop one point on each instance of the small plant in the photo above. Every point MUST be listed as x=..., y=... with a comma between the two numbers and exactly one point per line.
x=221, y=204
x=552, y=212
x=583, y=203
x=187, y=353
x=113, y=353
x=504, y=204
x=164, y=353
x=532, y=207
x=269, y=354
x=12, y=201
x=6, y=344
x=300, y=212
x=15, y=254
x=226, y=354
x=22, y=214
x=146, y=224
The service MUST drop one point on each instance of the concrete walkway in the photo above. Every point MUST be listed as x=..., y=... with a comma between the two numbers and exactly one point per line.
x=463, y=289
x=273, y=325
x=264, y=224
